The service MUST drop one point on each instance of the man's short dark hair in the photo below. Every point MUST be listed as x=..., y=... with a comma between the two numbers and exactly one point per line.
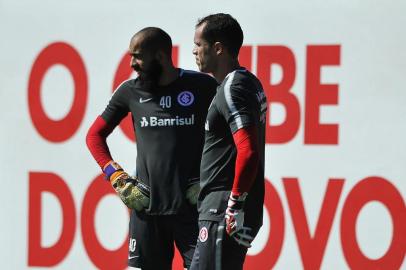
x=222, y=28
x=155, y=39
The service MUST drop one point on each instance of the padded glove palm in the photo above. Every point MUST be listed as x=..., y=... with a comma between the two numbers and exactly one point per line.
x=132, y=192
x=235, y=220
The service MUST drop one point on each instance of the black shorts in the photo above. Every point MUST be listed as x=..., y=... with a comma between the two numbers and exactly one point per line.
x=152, y=238
x=216, y=250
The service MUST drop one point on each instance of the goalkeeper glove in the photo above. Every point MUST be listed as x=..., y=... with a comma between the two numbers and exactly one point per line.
x=235, y=220
x=132, y=192
x=193, y=189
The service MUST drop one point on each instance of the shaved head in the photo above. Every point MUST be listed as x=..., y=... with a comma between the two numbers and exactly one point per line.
x=154, y=39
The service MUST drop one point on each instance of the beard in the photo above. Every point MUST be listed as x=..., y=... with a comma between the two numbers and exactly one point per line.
x=150, y=75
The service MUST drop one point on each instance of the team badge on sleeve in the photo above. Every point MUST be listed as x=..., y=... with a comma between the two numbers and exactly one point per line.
x=186, y=98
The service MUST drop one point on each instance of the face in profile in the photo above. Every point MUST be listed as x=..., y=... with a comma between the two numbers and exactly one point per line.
x=204, y=53
x=149, y=71
x=144, y=62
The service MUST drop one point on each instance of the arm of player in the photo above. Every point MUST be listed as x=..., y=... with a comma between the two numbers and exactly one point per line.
x=247, y=160
x=132, y=192
x=246, y=167
x=96, y=141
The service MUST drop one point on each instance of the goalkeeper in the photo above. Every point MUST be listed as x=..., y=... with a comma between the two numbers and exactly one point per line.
x=231, y=199
x=168, y=107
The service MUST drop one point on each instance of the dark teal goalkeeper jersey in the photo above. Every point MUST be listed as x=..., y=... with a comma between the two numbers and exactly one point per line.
x=240, y=102
x=169, y=127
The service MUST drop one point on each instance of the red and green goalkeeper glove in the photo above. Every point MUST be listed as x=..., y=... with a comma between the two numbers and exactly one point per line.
x=132, y=192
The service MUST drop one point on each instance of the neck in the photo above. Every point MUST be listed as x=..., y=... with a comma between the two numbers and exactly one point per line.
x=169, y=74
x=225, y=67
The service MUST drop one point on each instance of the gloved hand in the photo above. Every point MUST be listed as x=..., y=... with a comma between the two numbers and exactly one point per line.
x=235, y=220
x=132, y=192
x=193, y=190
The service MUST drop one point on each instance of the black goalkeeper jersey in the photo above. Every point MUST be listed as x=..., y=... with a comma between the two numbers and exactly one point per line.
x=240, y=102
x=169, y=127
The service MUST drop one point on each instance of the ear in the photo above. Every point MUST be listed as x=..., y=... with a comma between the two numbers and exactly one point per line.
x=218, y=48
x=160, y=56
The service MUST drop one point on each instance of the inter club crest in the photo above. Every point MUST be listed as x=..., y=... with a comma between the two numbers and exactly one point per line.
x=186, y=98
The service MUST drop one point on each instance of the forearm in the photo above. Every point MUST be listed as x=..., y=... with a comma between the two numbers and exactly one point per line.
x=247, y=160
x=96, y=141
x=246, y=167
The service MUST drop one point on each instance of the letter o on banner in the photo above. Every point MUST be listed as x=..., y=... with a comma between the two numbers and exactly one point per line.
x=268, y=257
x=381, y=190
x=63, y=54
x=101, y=257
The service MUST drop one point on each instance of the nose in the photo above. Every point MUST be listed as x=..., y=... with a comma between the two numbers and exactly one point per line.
x=194, y=51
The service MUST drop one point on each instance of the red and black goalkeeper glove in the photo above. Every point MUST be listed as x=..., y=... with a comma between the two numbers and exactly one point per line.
x=235, y=220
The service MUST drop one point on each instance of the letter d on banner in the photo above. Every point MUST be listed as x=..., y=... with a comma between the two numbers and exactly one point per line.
x=40, y=182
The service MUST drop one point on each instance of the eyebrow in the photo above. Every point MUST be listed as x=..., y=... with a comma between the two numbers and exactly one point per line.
x=135, y=54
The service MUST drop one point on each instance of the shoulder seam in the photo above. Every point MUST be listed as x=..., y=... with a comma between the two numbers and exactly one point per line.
x=229, y=100
x=121, y=84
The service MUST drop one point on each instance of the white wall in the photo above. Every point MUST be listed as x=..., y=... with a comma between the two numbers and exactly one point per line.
x=368, y=78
